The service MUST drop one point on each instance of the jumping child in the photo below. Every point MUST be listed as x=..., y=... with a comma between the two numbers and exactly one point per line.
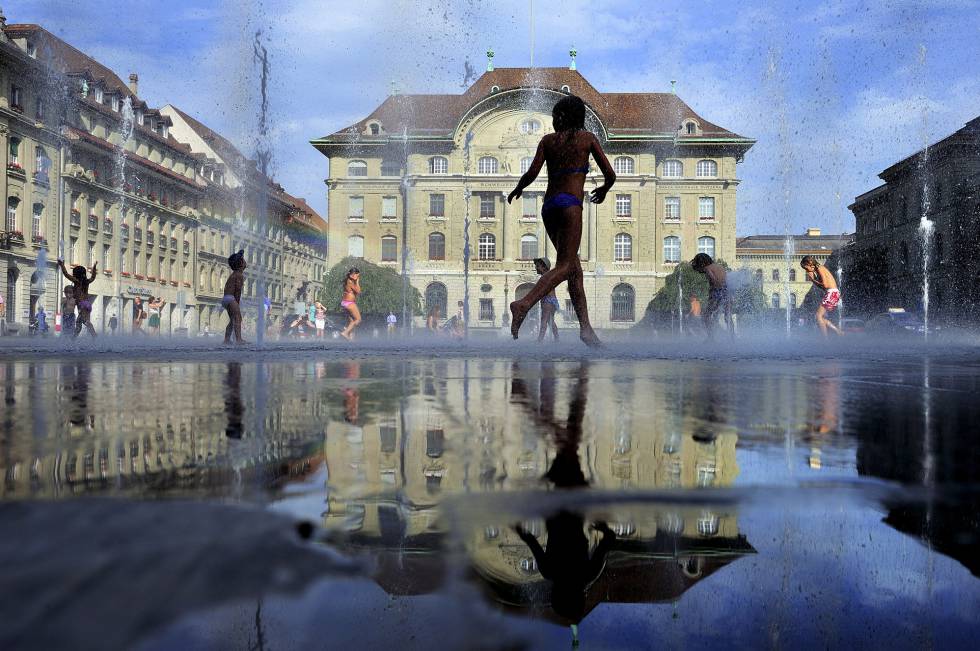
x=79, y=284
x=821, y=277
x=567, y=153
x=232, y=299
x=352, y=287
x=549, y=304
x=718, y=295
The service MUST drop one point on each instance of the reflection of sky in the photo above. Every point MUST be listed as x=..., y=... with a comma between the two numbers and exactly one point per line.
x=834, y=94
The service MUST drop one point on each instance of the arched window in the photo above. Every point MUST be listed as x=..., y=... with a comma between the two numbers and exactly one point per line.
x=691, y=128
x=526, y=163
x=438, y=165
x=529, y=247
x=375, y=128
x=437, y=246
x=357, y=168
x=487, y=165
x=36, y=230
x=11, y=221
x=623, y=248
x=41, y=165
x=792, y=301
x=488, y=246
x=672, y=249
x=707, y=169
x=530, y=126
x=355, y=246
x=775, y=275
x=623, y=302
x=758, y=275
x=673, y=169
x=389, y=248
x=436, y=296
x=792, y=275
x=623, y=165
x=14, y=146
x=775, y=301
x=706, y=244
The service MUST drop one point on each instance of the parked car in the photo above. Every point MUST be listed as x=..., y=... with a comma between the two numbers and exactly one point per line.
x=896, y=321
x=852, y=326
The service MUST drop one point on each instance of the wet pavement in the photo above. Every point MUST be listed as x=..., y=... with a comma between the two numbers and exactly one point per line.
x=464, y=499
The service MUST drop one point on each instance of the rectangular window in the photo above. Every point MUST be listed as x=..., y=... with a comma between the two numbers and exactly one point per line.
x=624, y=205
x=530, y=204
x=73, y=250
x=356, y=208
x=15, y=97
x=388, y=208
x=105, y=258
x=39, y=109
x=486, y=309
x=91, y=253
x=672, y=208
x=488, y=206
x=529, y=247
x=389, y=249
x=706, y=208
x=437, y=205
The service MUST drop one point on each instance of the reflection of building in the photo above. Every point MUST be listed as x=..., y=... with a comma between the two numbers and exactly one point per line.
x=94, y=174
x=884, y=265
x=389, y=473
x=91, y=444
x=765, y=257
x=420, y=166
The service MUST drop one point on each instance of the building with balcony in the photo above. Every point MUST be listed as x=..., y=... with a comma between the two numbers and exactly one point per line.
x=424, y=179
x=94, y=174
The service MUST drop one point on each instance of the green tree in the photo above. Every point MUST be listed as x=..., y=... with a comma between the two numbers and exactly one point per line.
x=381, y=288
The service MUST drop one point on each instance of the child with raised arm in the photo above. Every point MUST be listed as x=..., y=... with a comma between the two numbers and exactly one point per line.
x=567, y=153
x=79, y=285
x=232, y=299
x=718, y=294
x=821, y=277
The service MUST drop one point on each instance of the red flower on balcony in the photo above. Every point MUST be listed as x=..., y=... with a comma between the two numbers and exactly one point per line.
x=151, y=278
x=107, y=272
x=138, y=276
x=39, y=239
x=75, y=212
x=14, y=166
x=174, y=283
x=125, y=274
x=187, y=284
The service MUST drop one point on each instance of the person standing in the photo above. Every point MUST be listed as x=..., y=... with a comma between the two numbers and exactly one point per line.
x=139, y=314
x=392, y=321
x=3, y=307
x=320, y=319
x=348, y=301
x=68, y=312
x=42, y=320
x=231, y=300
x=113, y=324
x=156, y=306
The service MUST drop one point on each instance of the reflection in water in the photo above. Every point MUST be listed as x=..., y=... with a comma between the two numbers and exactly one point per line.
x=402, y=459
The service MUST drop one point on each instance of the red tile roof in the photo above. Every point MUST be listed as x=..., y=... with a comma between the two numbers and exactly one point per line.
x=621, y=114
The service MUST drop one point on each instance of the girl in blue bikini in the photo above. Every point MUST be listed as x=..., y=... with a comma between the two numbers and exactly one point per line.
x=567, y=153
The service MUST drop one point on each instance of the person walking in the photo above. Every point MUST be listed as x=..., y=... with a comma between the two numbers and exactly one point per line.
x=392, y=321
x=348, y=301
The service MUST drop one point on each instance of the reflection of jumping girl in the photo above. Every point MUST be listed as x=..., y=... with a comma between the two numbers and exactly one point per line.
x=80, y=282
x=549, y=304
x=352, y=287
x=567, y=153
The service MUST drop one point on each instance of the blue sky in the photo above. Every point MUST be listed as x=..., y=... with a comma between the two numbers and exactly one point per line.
x=834, y=92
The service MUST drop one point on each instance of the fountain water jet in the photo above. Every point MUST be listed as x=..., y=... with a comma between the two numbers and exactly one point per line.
x=126, y=128
x=789, y=251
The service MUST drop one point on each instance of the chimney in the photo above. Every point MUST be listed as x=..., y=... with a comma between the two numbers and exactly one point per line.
x=134, y=83
x=673, y=86
x=813, y=232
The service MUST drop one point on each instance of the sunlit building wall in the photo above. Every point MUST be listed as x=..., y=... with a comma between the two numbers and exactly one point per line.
x=419, y=167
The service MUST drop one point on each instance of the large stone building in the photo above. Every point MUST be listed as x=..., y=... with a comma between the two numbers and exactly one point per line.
x=94, y=174
x=774, y=262
x=425, y=178
x=885, y=265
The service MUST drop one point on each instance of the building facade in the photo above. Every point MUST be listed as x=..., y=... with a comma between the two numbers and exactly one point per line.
x=892, y=253
x=95, y=175
x=773, y=261
x=421, y=185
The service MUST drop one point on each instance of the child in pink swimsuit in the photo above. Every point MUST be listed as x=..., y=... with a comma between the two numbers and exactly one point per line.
x=80, y=282
x=352, y=287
